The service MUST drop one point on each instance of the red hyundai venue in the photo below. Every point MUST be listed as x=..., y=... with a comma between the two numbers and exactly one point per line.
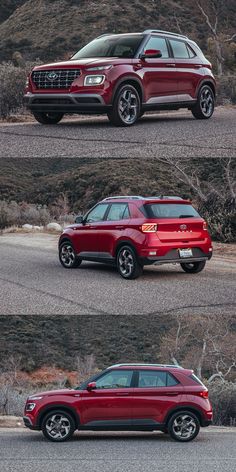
x=133, y=231
x=136, y=397
x=123, y=76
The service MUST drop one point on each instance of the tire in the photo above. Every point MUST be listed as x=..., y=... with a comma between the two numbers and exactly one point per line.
x=48, y=118
x=58, y=426
x=183, y=426
x=204, y=108
x=127, y=263
x=126, y=106
x=67, y=256
x=193, y=267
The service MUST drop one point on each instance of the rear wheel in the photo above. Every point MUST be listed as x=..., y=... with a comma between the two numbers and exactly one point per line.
x=67, y=256
x=126, y=106
x=193, y=267
x=205, y=105
x=127, y=263
x=58, y=426
x=49, y=118
x=183, y=426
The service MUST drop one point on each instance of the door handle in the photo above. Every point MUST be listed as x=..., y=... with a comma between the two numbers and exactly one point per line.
x=78, y=395
x=120, y=227
x=171, y=64
x=172, y=393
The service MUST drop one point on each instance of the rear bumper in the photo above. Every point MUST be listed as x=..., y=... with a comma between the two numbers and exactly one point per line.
x=206, y=423
x=66, y=103
x=172, y=257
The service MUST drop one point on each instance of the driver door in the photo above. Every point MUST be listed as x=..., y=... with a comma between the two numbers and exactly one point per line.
x=87, y=240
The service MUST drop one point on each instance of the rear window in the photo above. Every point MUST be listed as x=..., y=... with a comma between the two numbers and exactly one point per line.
x=196, y=379
x=170, y=210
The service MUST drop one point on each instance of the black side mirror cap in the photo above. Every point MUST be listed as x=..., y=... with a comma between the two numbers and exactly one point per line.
x=79, y=219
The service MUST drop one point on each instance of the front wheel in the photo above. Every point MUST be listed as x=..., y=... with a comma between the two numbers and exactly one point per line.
x=67, y=256
x=193, y=267
x=183, y=426
x=127, y=263
x=205, y=105
x=126, y=106
x=48, y=118
x=58, y=426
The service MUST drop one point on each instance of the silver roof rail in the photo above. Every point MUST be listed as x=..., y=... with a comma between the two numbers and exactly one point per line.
x=149, y=31
x=117, y=197
x=141, y=364
x=164, y=197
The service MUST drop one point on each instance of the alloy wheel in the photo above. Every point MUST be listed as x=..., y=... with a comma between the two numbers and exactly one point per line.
x=67, y=255
x=58, y=426
x=206, y=101
x=126, y=262
x=184, y=426
x=128, y=106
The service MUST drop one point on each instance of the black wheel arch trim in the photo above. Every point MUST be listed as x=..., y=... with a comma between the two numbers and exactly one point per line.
x=186, y=407
x=209, y=82
x=127, y=79
x=124, y=242
x=67, y=408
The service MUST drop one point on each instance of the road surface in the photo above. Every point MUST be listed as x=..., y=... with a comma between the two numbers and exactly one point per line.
x=33, y=282
x=25, y=451
x=166, y=135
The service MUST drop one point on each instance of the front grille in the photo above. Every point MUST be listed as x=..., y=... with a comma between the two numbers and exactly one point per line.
x=52, y=101
x=55, y=79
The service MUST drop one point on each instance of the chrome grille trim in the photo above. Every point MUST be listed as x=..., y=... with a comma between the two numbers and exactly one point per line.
x=64, y=79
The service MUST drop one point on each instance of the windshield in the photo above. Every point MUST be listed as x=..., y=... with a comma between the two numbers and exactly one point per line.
x=171, y=210
x=110, y=46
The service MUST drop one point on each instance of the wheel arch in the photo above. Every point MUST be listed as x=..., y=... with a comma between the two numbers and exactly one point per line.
x=207, y=82
x=65, y=408
x=191, y=409
x=124, y=242
x=131, y=80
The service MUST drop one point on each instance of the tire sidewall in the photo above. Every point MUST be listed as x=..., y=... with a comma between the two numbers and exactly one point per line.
x=198, y=267
x=171, y=421
x=68, y=416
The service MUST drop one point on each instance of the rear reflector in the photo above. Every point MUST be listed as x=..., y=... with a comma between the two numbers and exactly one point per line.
x=149, y=228
x=205, y=225
x=204, y=394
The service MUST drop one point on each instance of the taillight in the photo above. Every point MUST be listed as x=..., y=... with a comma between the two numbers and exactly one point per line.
x=204, y=394
x=205, y=225
x=149, y=228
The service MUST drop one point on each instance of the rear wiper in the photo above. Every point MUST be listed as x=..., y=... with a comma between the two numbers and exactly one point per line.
x=186, y=216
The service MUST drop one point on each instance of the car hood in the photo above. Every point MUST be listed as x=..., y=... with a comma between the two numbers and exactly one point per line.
x=65, y=391
x=95, y=61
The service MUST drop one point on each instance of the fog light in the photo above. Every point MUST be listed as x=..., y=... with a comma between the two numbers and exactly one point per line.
x=94, y=79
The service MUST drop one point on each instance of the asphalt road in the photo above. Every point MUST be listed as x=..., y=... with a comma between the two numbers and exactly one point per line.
x=33, y=282
x=166, y=135
x=24, y=451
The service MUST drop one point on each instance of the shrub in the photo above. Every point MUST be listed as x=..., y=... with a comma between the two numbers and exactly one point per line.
x=223, y=399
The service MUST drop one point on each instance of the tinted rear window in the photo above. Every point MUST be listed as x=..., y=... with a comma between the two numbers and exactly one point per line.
x=170, y=210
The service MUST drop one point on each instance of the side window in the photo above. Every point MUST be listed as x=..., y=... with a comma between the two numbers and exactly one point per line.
x=115, y=379
x=180, y=49
x=171, y=381
x=152, y=379
x=97, y=214
x=159, y=44
x=191, y=52
x=118, y=211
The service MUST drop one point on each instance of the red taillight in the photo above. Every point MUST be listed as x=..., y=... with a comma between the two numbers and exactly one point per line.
x=205, y=225
x=204, y=394
x=149, y=228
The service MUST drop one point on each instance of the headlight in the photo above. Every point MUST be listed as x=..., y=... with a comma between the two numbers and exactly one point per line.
x=94, y=79
x=30, y=406
x=35, y=398
x=100, y=68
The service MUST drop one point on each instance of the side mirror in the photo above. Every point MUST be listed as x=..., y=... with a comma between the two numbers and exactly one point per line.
x=91, y=386
x=79, y=219
x=151, y=54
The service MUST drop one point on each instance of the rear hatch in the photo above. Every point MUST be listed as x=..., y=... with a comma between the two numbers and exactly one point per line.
x=176, y=222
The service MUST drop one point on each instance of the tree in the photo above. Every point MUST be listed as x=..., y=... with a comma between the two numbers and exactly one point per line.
x=212, y=11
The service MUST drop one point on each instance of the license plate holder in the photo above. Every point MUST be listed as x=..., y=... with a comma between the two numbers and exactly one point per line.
x=185, y=253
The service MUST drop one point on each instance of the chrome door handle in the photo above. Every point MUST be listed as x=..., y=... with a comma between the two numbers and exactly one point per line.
x=170, y=64
x=120, y=227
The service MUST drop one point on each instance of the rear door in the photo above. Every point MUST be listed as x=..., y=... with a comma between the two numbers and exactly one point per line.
x=188, y=68
x=156, y=392
x=111, y=402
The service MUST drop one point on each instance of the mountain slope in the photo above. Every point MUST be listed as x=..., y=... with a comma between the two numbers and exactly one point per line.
x=53, y=28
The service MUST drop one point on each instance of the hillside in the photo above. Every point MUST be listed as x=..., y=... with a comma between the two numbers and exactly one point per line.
x=49, y=29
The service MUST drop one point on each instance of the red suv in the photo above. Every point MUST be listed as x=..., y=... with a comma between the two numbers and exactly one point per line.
x=134, y=397
x=124, y=75
x=134, y=231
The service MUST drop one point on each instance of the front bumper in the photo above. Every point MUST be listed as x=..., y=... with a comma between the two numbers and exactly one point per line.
x=28, y=423
x=66, y=103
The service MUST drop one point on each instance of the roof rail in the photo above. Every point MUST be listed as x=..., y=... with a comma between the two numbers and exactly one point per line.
x=164, y=197
x=149, y=31
x=142, y=364
x=117, y=197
